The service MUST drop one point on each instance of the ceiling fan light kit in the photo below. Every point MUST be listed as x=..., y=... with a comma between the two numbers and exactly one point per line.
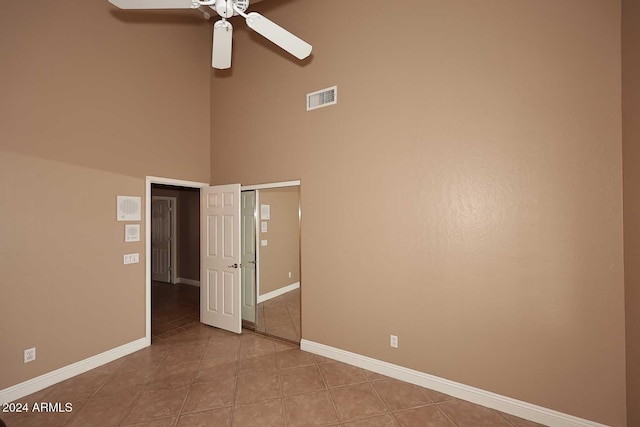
x=223, y=30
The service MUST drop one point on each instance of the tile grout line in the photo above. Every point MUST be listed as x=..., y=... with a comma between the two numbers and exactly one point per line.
x=144, y=389
x=505, y=418
x=388, y=410
x=446, y=415
x=235, y=383
x=130, y=409
x=384, y=402
x=192, y=382
x=437, y=405
x=93, y=395
x=326, y=385
x=281, y=387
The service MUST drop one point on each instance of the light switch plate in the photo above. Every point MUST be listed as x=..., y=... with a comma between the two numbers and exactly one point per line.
x=131, y=258
x=263, y=243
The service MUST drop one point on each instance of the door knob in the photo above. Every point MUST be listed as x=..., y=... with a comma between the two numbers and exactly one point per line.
x=252, y=262
x=232, y=266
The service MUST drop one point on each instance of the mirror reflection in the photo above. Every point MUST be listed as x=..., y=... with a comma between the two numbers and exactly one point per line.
x=271, y=261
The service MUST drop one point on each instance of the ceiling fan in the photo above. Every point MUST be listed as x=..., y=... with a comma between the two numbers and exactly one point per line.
x=223, y=30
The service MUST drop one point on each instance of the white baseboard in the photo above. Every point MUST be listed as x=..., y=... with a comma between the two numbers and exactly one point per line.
x=188, y=281
x=43, y=381
x=278, y=292
x=489, y=399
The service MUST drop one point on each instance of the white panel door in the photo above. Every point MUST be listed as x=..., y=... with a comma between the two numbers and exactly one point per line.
x=220, y=302
x=161, y=240
x=248, y=288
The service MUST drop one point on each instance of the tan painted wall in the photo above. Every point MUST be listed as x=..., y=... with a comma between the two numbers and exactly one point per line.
x=92, y=101
x=282, y=254
x=631, y=151
x=188, y=229
x=465, y=193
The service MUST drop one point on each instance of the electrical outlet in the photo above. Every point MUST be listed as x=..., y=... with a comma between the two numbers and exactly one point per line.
x=289, y=275
x=394, y=341
x=30, y=355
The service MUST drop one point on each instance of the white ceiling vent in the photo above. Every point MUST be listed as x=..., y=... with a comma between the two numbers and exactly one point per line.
x=322, y=98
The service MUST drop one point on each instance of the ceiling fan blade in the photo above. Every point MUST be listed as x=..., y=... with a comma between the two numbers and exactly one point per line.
x=152, y=4
x=222, y=42
x=278, y=35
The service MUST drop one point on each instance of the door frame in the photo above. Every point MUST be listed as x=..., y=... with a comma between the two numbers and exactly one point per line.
x=173, y=276
x=147, y=231
x=194, y=184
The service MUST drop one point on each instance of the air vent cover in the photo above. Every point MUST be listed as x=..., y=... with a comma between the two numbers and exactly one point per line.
x=322, y=98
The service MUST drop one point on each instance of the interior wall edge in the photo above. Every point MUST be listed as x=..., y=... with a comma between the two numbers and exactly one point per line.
x=631, y=199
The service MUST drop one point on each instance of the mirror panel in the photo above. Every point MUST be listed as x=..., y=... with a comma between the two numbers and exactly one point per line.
x=277, y=272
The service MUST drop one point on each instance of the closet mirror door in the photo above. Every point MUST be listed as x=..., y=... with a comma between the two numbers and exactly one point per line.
x=248, y=258
x=278, y=262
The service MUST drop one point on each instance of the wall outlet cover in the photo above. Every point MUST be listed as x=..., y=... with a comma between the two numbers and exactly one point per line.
x=30, y=355
x=394, y=341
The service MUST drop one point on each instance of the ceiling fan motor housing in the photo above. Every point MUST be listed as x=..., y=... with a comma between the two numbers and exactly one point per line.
x=243, y=5
x=225, y=9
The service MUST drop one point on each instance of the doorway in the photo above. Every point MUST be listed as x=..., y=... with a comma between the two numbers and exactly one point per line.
x=267, y=316
x=175, y=259
x=172, y=299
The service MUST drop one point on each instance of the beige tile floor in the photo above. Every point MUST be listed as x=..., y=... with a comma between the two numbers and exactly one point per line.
x=173, y=308
x=195, y=375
